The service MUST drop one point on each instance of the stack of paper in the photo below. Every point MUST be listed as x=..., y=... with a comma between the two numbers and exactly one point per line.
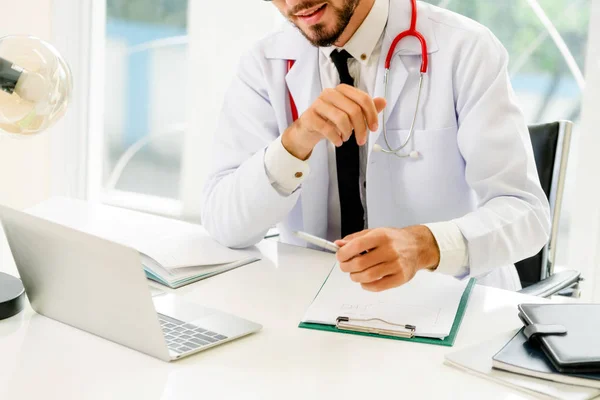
x=174, y=253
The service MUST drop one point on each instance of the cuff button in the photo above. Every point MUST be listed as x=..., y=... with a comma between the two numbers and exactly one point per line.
x=298, y=174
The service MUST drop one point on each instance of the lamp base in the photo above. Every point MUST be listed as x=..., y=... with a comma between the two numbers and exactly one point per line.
x=12, y=296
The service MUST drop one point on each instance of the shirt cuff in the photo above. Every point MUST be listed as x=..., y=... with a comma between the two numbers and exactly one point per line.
x=286, y=172
x=454, y=255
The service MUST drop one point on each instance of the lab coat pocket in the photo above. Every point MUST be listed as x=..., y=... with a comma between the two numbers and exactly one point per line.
x=428, y=143
x=431, y=187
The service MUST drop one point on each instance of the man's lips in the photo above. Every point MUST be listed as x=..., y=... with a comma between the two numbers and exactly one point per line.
x=313, y=15
x=310, y=11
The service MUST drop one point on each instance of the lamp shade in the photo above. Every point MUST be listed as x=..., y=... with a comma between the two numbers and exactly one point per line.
x=35, y=89
x=35, y=85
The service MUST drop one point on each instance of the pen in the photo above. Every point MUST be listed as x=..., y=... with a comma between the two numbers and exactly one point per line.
x=317, y=241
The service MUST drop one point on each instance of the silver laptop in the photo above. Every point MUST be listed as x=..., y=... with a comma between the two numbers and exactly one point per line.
x=100, y=287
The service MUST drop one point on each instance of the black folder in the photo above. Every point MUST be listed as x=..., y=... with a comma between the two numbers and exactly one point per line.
x=526, y=358
x=569, y=334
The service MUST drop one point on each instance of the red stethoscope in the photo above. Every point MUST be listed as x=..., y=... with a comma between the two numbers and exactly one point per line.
x=412, y=31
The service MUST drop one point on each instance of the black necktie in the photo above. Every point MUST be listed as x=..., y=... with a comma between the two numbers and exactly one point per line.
x=348, y=164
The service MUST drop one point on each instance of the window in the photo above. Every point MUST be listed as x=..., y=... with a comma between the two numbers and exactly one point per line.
x=146, y=66
x=546, y=41
x=154, y=68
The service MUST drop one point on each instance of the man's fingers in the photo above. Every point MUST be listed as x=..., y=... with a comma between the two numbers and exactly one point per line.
x=353, y=110
x=359, y=245
x=364, y=101
x=347, y=239
x=348, y=106
x=327, y=129
x=356, y=235
x=366, y=261
x=374, y=273
x=380, y=104
x=336, y=116
x=388, y=282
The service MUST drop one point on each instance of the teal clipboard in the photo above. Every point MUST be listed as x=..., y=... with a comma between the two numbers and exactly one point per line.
x=448, y=341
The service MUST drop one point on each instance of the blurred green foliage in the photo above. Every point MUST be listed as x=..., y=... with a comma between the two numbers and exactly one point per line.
x=518, y=28
x=156, y=12
x=513, y=21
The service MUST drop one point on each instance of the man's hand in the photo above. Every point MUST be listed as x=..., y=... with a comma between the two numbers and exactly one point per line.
x=333, y=116
x=384, y=258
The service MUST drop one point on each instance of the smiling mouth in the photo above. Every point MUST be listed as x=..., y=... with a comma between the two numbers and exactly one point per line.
x=310, y=12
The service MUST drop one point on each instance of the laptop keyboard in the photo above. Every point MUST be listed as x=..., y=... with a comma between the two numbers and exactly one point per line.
x=183, y=337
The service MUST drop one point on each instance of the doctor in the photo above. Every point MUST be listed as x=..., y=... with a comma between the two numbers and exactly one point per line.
x=462, y=198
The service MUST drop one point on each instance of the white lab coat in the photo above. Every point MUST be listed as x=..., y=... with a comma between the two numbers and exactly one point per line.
x=476, y=166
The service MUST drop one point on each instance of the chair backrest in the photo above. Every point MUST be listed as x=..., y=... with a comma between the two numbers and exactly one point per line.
x=551, y=144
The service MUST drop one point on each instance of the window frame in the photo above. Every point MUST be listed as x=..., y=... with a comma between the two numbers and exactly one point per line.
x=70, y=140
x=78, y=164
x=79, y=32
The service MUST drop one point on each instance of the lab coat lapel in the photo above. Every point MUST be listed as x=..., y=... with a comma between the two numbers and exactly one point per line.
x=396, y=81
x=304, y=83
x=304, y=80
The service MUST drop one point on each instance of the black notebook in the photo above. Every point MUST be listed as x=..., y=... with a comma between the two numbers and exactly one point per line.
x=525, y=358
x=577, y=351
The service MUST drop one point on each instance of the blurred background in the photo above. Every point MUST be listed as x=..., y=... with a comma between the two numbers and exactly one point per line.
x=147, y=56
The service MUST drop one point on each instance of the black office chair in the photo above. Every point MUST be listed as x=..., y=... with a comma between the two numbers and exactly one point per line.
x=551, y=144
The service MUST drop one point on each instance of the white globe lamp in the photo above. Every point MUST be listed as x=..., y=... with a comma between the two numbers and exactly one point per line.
x=35, y=89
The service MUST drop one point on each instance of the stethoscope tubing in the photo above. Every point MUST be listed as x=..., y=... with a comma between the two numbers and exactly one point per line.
x=412, y=31
x=395, y=151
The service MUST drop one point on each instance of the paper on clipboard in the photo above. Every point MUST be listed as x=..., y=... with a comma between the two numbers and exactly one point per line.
x=430, y=302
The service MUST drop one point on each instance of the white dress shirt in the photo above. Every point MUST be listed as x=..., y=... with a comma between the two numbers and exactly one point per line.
x=286, y=173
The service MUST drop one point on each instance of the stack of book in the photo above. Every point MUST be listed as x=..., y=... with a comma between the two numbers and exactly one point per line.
x=560, y=365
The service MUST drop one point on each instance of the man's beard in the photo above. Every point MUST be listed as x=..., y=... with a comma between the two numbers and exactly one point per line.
x=321, y=37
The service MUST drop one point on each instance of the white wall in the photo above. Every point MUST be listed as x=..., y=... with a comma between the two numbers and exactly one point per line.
x=584, y=251
x=25, y=164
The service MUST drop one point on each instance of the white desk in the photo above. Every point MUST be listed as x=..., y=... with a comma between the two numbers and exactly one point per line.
x=43, y=359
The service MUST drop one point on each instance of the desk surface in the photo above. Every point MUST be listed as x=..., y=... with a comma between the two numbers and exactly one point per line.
x=44, y=359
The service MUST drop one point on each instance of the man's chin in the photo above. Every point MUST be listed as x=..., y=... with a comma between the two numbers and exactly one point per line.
x=319, y=36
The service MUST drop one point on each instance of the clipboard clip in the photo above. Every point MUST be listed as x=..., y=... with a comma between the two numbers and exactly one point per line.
x=362, y=325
